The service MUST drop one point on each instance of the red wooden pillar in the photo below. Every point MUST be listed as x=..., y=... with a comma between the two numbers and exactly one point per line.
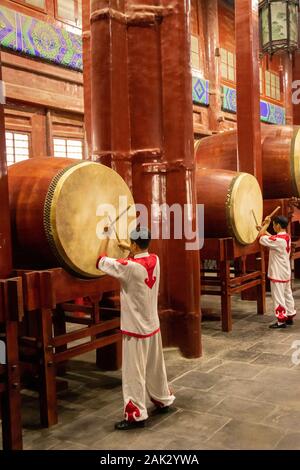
x=296, y=93
x=142, y=115
x=10, y=399
x=5, y=237
x=86, y=47
x=247, y=84
x=215, y=101
x=248, y=97
x=183, y=267
x=287, y=79
x=109, y=90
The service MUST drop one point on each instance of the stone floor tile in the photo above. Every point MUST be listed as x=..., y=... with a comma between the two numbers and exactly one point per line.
x=241, y=435
x=203, y=425
x=242, y=409
x=200, y=380
x=238, y=370
x=192, y=399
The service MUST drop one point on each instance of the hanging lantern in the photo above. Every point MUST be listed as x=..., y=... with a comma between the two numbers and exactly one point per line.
x=278, y=25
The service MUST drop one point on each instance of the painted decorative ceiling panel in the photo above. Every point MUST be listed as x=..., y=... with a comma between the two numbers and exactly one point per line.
x=39, y=39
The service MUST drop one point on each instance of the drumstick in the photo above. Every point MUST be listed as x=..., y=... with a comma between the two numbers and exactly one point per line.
x=275, y=211
x=266, y=224
x=254, y=217
x=112, y=226
x=120, y=215
x=107, y=228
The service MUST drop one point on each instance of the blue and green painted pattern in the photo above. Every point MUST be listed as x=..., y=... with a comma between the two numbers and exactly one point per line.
x=38, y=39
x=200, y=89
x=272, y=113
x=269, y=112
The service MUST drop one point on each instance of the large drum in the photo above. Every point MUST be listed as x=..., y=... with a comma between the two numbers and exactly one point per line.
x=233, y=204
x=60, y=209
x=280, y=158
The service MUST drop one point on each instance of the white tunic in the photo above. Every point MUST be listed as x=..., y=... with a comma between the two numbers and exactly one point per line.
x=279, y=258
x=139, y=279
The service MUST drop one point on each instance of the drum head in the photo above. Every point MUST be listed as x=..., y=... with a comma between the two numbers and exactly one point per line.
x=82, y=200
x=244, y=200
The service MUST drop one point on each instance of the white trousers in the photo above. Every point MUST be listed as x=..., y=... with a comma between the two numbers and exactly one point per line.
x=283, y=301
x=143, y=372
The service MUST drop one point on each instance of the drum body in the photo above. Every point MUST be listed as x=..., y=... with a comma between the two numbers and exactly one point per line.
x=59, y=208
x=280, y=158
x=229, y=199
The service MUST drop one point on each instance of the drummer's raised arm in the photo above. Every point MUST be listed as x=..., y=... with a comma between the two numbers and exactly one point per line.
x=119, y=269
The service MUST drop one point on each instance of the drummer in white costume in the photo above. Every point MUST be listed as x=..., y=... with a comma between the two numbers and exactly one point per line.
x=279, y=271
x=143, y=370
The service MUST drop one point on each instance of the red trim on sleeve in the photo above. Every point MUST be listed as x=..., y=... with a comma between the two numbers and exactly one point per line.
x=137, y=335
x=103, y=255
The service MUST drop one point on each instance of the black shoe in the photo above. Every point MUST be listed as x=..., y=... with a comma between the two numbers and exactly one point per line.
x=289, y=321
x=125, y=425
x=163, y=409
x=277, y=325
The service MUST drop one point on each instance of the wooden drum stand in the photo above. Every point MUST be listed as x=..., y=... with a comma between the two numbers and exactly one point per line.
x=45, y=343
x=11, y=313
x=225, y=281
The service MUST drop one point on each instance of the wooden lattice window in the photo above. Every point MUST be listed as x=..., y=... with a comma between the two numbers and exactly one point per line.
x=272, y=84
x=227, y=65
x=69, y=11
x=195, y=52
x=17, y=146
x=68, y=148
x=40, y=4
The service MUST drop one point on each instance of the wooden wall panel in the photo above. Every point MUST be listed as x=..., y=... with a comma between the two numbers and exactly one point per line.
x=226, y=26
x=44, y=100
x=32, y=86
x=198, y=28
x=200, y=121
x=64, y=125
x=43, y=125
x=38, y=135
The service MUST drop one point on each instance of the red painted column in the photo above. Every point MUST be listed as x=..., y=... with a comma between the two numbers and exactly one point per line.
x=296, y=90
x=162, y=150
x=178, y=154
x=287, y=78
x=142, y=115
x=86, y=48
x=212, y=42
x=11, y=398
x=109, y=90
x=5, y=236
x=247, y=84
